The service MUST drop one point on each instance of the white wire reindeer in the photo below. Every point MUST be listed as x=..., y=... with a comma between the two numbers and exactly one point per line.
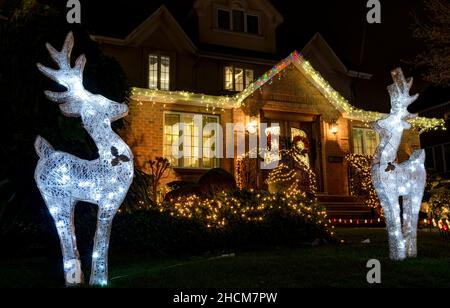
x=393, y=180
x=64, y=179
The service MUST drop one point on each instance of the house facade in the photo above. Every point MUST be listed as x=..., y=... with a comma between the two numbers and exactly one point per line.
x=227, y=71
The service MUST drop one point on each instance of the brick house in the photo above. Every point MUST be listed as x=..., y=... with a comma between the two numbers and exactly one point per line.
x=225, y=69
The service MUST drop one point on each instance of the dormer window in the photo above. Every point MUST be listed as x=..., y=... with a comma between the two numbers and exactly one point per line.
x=237, y=20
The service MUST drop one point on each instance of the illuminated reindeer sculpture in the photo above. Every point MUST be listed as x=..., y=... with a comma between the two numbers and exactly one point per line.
x=64, y=179
x=393, y=180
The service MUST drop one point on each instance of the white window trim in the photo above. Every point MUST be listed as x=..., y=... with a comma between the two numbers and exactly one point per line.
x=158, y=84
x=201, y=158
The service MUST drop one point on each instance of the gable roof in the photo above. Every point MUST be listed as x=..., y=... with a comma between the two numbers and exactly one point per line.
x=160, y=20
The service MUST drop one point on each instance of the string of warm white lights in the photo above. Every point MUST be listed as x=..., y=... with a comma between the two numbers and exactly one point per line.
x=220, y=103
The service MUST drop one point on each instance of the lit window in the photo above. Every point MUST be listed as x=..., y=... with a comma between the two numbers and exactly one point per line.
x=159, y=72
x=237, y=79
x=229, y=83
x=365, y=141
x=188, y=126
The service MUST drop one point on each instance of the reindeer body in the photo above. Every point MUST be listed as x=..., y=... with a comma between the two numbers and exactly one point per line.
x=64, y=179
x=393, y=180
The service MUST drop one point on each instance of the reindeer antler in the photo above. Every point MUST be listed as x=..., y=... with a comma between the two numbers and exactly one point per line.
x=71, y=78
x=399, y=91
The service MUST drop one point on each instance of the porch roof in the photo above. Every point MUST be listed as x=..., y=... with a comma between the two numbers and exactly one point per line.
x=217, y=103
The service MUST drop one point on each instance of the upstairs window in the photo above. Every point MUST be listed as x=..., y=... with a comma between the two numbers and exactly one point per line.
x=253, y=24
x=159, y=72
x=223, y=19
x=237, y=78
x=365, y=141
x=237, y=21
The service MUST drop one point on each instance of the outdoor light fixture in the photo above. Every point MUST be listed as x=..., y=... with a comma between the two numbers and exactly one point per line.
x=334, y=128
x=64, y=179
x=393, y=180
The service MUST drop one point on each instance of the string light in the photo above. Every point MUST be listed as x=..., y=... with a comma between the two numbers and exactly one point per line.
x=349, y=112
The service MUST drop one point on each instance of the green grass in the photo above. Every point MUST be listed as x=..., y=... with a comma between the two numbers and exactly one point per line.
x=323, y=266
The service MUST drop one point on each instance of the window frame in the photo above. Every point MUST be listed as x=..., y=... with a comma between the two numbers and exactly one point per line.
x=364, y=144
x=159, y=70
x=244, y=69
x=216, y=160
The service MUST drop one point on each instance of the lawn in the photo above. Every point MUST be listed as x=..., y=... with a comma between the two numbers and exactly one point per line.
x=307, y=266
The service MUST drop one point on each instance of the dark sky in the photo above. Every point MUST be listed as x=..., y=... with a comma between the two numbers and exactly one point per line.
x=341, y=23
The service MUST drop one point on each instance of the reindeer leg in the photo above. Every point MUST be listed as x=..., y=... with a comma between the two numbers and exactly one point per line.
x=391, y=210
x=411, y=210
x=62, y=211
x=99, y=271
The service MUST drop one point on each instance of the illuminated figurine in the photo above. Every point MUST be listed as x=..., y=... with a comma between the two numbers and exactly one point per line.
x=64, y=179
x=393, y=180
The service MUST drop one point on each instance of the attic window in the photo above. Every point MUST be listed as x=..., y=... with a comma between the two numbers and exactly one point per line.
x=237, y=20
x=223, y=19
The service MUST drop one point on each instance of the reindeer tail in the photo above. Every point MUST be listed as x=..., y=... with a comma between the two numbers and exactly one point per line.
x=43, y=148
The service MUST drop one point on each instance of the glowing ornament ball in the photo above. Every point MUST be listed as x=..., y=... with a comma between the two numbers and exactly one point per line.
x=64, y=179
x=393, y=180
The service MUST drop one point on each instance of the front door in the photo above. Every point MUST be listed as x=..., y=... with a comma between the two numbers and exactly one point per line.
x=305, y=131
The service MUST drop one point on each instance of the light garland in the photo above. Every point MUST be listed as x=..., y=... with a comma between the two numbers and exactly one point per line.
x=393, y=180
x=363, y=165
x=221, y=103
x=64, y=179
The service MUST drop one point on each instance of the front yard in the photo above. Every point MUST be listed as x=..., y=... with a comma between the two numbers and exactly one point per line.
x=322, y=266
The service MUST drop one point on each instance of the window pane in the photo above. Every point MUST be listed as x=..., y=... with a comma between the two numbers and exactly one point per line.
x=239, y=79
x=248, y=77
x=252, y=24
x=358, y=141
x=223, y=19
x=171, y=137
x=153, y=72
x=190, y=142
x=370, y=142
x=165, y=73
x=238, y=21
x=229, y=78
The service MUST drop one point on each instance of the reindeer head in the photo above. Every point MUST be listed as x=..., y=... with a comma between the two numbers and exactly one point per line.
x=400, y=100
x=77, y=101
